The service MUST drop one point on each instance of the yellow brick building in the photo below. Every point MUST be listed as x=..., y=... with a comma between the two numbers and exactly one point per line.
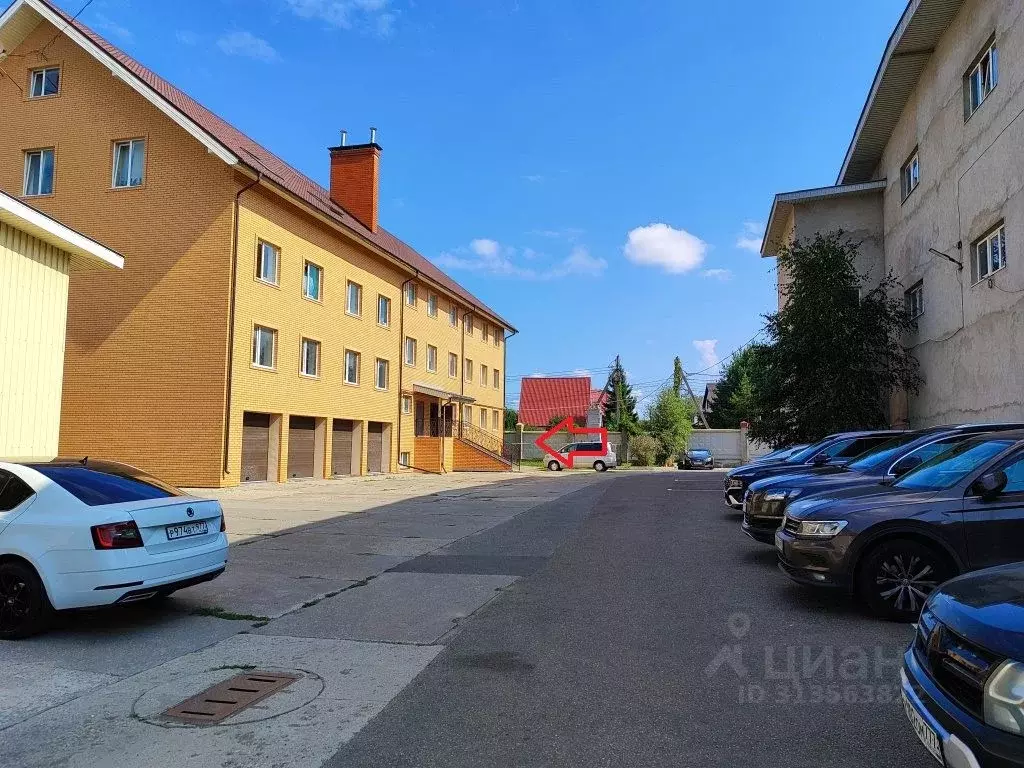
x=264, y=327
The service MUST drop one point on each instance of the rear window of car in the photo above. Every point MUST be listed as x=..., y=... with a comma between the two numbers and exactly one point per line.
x=107, y=485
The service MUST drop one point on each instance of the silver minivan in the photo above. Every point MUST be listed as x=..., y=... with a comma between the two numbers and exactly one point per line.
x=600, y=463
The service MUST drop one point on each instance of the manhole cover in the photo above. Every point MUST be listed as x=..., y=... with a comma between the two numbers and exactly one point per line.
x=224, y=699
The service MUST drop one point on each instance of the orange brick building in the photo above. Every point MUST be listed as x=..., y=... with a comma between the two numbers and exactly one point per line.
x=264, y=327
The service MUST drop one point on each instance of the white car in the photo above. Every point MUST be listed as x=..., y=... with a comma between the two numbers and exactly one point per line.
x=603, y=460
x=84, y=533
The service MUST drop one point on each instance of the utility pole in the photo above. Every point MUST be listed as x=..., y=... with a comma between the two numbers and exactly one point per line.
x=700, y=408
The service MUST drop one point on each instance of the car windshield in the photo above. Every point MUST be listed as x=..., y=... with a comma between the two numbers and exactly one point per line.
x=105, y=483
x=884, y=453
x=801, y=456
x=949, y=468
x=700, y=453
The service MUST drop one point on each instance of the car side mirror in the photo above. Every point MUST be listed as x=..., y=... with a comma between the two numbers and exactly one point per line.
x=907, y=463
x=820, y=460
x=989, y=486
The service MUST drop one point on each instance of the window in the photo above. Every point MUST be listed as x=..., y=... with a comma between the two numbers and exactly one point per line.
x=988, y=254
x=312, y=281
x=469, y=324
x=468, y=368
x=381, y=374
x=354, y=299
x=13, y=491
x=45, y=82
x=914, y=299
x=431, y=358
x=467, y=414
x=432, y=304
x=495, y=418
x=264, y=347
x=410, y=350
x=1014, y=470
x=980, y=80
x=453, y=316
x=309, y=364
x=910, y=175
x=406, y=404
x=484, y=332
x=129, y=163
x=268, y=257
x=404, y=459
x=483, y=418
x=383, y=311
x=351, y=367
x=497, y=379
x=410, y=294
x=498, y=334
x=453, y=365
x=39, y=172
x=100, y=483
x=483, y=375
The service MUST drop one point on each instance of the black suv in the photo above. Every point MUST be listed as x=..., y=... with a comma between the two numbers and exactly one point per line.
x=837, y=448
x=892, y=545
x=766, y=500
x=963, y=675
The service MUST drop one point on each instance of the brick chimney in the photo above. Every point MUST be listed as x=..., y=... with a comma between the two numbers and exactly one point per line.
x=355, y=173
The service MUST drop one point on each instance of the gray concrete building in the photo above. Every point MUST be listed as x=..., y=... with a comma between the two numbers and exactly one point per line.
x=936, y=166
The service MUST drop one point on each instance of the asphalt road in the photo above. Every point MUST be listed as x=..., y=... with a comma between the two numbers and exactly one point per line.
x=646, y=630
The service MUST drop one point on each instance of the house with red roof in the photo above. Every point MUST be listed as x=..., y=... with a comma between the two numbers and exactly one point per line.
x=542, y=399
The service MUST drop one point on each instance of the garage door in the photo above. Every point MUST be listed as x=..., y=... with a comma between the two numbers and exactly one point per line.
x=301, y=442
x=375, y=447
x=255, y=446
x=341, y=448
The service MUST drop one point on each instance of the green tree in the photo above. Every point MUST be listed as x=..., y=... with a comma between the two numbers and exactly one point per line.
x=554, y=421
x=511, y=419
x=620, y=419
x=835, y=353
x=734, y=393
x=677, y=376
x=670, y=421
x=643, y=450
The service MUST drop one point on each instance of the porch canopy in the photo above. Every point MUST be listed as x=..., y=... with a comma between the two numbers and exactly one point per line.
x=442, y=394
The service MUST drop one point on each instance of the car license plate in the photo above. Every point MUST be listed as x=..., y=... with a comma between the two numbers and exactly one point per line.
x=924, y=732
x=187, y=529
x=778, y=543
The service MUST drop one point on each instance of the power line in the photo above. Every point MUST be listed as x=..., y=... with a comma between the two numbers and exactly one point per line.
x=738, y=349
x=62, y=30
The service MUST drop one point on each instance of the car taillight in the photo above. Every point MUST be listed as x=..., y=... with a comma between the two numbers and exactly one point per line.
x=116, y=536
x=223, y=523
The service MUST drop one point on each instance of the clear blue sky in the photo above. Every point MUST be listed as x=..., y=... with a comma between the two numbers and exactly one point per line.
x=530, y=145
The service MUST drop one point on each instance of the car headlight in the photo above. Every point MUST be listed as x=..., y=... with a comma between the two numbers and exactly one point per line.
x=1004, y=698
x=820, y=529
x=776, y=496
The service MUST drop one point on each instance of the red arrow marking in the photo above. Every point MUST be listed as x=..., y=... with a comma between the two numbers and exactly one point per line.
x=542, y=441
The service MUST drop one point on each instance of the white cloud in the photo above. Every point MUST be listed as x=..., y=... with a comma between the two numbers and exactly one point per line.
x=242, y=43
x=751, y=237
x=491, y=257
x=186, y=37
x=708, y=353
x=111, y=28
x=718, y=274
x=659, y=245
x=581, y=372
x=535, y=178
x=374, y=16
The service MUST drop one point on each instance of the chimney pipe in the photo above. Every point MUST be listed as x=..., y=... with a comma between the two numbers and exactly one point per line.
x=344, y=138
x=373, y=135
x=355, y=170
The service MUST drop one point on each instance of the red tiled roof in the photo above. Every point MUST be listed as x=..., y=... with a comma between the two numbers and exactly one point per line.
x=542, y=399
x=598, y=397
x=274, y=168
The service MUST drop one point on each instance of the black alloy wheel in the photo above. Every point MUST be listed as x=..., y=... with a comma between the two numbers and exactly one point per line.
x=897, y=576
x=24, y=608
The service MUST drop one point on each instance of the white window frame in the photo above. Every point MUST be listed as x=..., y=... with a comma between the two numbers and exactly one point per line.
x=453, y=365
x=497, y=378
x=499, y=334
x=910, y=175
x=986, y=70
x=483, y=418
x=305, y=281
x=405, y=458
x=914, y=298
x=42, y=72
x=130, y=143
x=406, y=348
x=411, y=295
x=467, y=367
x=495, y=420
x=257, y=329
x=303, y=343
x=484, y=332
x=359, y=362
x=384, y=301
x=406, y=404
x=453, y=315
x=468, y=323
x=996, y=234
x=376, y=374
x=260, y=245
x=40, y=153
x=432, y=305
x=483, y=375
x=467, y=413
x=358, y=311
x=431, y=367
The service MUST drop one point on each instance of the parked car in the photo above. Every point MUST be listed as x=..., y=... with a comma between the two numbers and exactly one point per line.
x=780, y=453
x=891, y=546
x=834, y=449
x=78, y=534
x=598, y=457
x=963, y=675
x=697, y=458
x=765, y=501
